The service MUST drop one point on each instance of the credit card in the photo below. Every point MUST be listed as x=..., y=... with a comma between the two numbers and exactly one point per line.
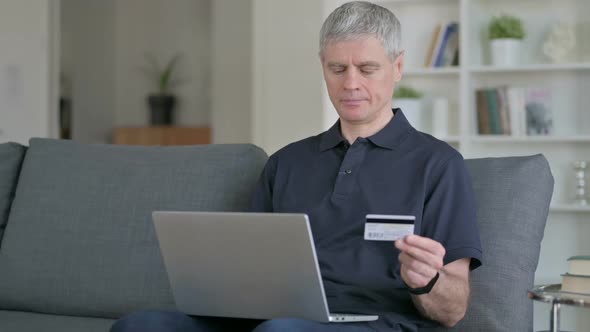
x=386, y=227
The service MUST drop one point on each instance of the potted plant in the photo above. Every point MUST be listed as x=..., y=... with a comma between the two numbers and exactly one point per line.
x=506, y=33
x=162, y=101
x=409, y=100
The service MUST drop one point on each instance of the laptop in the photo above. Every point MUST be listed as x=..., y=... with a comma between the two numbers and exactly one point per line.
x=244, y=265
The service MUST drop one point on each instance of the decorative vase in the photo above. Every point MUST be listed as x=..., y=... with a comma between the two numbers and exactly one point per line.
x=560, y=43
x=413, y=111
x=161, y=109
x=506, y=51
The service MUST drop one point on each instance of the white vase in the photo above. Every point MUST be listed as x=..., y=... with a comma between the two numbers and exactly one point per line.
x=413, y=111
x=506, y=52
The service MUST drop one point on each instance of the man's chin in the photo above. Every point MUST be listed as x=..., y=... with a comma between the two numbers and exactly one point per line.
x=352, y=110
x=353, y=117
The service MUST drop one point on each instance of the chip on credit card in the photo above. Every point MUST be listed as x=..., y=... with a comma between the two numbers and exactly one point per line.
x=386, y=227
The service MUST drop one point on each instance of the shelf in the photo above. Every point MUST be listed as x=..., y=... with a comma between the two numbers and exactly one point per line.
x=530, y=139
x=530, y=68
x=431, y=71
x=569, y=208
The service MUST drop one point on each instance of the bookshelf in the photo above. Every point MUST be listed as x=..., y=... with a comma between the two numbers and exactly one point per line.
x=568, y=225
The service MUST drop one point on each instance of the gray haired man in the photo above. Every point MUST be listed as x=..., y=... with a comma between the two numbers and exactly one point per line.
x=372, y=161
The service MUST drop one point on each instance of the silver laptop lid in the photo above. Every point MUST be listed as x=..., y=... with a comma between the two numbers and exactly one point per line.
x=243, y=265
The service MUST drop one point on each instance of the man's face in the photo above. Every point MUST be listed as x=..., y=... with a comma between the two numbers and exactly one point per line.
x=360, y=78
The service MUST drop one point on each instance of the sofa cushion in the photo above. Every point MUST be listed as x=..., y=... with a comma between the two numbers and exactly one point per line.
x=513, y=196
x=16, y=321
x=11, y=156
x=80, y=238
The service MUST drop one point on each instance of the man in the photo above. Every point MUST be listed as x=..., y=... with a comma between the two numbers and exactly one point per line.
x=370, y=162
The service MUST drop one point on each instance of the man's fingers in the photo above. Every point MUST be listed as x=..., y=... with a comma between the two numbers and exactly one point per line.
x=426, y=244
x=420, y=258
x=413, y=279
x=421, y=255
x=426, y=271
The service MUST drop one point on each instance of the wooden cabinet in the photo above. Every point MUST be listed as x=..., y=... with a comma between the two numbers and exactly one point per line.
x=162, y=135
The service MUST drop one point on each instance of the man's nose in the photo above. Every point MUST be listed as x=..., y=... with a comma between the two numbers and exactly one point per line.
x=351, y=80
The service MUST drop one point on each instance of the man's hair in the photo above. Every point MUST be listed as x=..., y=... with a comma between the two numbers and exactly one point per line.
x=358, y=19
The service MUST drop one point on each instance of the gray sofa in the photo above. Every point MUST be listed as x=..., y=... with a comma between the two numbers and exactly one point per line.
x=78, y=248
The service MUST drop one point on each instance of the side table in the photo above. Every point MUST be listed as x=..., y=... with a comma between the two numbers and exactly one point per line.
x=162, y=135
x=553, y=294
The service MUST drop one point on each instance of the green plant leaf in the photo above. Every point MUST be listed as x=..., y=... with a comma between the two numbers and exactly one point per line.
x=406, y=92
x=506, y=26
x=166, y=76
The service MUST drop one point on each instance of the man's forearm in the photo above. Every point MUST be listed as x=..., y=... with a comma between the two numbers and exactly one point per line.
x=447, y=302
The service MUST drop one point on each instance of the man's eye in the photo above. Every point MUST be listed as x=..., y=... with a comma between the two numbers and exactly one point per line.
x=368, y=70
x=338, y=70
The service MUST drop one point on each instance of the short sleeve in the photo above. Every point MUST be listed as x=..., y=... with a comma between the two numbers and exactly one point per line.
x=449, y=215
x=261, y=200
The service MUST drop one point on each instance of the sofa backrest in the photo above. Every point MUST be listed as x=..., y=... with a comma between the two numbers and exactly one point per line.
x=512, y=196
x=80, y=239
x=11, y=156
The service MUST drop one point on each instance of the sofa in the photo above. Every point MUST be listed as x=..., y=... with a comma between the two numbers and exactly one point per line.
x=78, y=248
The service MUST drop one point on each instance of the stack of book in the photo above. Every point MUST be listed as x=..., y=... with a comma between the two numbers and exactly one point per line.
x=508, y=110
x=444, y=46
x=577, y=279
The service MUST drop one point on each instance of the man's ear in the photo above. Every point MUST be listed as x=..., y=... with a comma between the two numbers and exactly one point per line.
x=398, y=66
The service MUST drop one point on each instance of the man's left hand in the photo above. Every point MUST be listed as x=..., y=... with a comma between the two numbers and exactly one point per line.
x=421, y=259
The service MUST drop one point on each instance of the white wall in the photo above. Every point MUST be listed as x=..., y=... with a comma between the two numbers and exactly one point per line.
x=103, y=52
x=287, y=101
x=232, y=73
x=267, y=82
x=27, y=99
x=282, y=83
x=164, y=28
x=88, y=65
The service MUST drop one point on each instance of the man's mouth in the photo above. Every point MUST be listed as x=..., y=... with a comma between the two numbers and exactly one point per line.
x=352, y=102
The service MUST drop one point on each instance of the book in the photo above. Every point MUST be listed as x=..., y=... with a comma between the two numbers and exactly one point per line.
x=516, y=106
x=577, y=279
x=493, y=112
x=455, y=61
x=449, y=47
x=579, y=265
x=483, y=121
x=574, y=283
x=447, y=32
x=433, y=44
x=439, y=39
x=444, y=45
x=503, y=111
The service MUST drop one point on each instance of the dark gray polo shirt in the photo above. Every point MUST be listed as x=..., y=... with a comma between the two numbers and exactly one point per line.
x=396, y=171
